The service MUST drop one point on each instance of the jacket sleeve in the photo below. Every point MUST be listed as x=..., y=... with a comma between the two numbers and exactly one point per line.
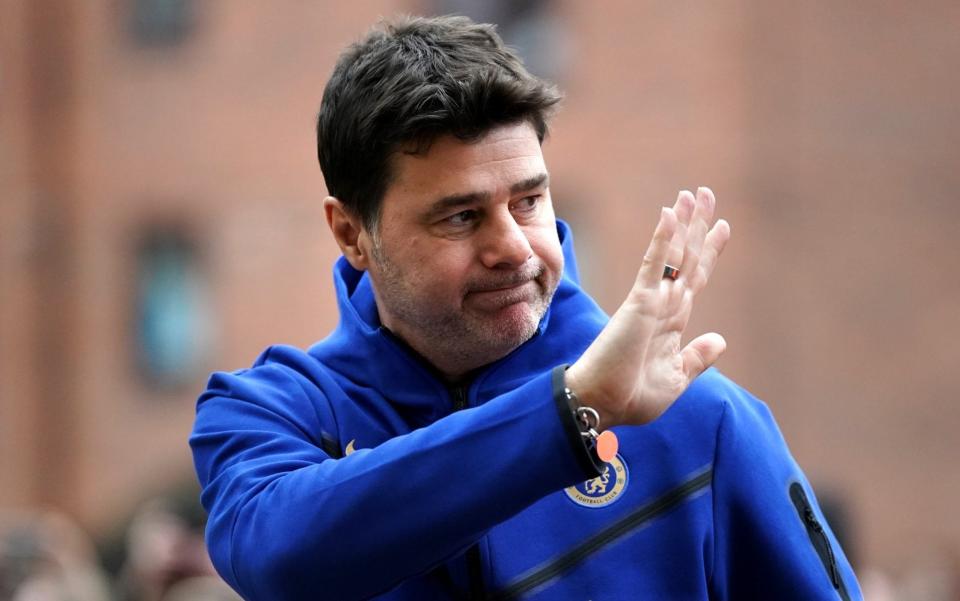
x=287, y=520
x=771, y=539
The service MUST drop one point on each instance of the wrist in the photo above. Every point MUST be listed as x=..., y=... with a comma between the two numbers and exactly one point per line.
x=601, y=442
x=587, y=394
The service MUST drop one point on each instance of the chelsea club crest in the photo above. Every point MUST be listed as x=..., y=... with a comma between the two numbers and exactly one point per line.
x=604, y=489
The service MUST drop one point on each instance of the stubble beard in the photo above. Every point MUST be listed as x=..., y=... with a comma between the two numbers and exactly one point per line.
x=457, y=340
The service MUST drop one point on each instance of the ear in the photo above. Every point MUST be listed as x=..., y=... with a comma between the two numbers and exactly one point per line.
x=348, y=231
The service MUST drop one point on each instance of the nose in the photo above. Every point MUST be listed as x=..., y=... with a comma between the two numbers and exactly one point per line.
x=504, y=243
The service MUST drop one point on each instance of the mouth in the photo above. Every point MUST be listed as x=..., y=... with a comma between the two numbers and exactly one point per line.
x=510, y=286
x=502, y=296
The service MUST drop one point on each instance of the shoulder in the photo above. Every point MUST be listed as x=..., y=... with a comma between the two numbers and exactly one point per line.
x=278, y=368
x=746, y=432
x=717, y=394
x=715, y=415
x=284, y=381
x=707, y=401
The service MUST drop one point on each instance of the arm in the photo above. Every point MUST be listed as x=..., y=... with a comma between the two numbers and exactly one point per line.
x=287, y=520
x=772, y=541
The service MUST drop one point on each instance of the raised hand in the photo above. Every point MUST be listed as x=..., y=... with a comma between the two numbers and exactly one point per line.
x=636, y=367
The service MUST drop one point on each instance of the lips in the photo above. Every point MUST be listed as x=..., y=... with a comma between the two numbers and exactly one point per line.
x=496, y=298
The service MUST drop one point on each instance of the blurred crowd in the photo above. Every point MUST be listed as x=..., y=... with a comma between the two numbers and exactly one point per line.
x=157, y=555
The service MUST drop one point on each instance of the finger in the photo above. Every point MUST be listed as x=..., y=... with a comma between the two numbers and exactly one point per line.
x=702, y=352
x=713, y=246
x=697, y=232
x=651, y=270
x=684, y=207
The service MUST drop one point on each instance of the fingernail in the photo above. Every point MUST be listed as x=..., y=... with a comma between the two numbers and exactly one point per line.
x=707, y=194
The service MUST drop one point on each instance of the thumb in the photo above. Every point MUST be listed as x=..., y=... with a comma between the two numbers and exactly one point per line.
x=701, y=353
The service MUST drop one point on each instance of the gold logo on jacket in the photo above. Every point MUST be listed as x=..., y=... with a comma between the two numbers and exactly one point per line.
x=604, y=489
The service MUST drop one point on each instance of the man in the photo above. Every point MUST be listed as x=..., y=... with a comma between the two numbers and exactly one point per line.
x=436, y=445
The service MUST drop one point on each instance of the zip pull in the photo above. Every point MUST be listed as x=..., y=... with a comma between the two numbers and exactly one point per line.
x=815, y=530
x=813, y=522
x=459, y=396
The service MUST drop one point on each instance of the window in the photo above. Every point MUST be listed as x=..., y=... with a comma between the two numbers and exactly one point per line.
x=173, y=313
x=161, y=22
x=529, y=26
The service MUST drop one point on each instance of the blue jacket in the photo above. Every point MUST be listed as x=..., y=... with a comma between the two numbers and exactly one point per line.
x=350, y=471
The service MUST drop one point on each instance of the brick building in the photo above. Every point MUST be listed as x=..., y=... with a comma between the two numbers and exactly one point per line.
x=160, y=206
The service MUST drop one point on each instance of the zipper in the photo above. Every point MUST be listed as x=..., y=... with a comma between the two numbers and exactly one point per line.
x=459, y=396
x=476, y=590
x=818, y=537
x=640, y=516
x=475, y=574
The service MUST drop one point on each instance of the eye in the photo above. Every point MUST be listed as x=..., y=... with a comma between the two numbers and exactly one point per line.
x=527, y=204
x=462, y=218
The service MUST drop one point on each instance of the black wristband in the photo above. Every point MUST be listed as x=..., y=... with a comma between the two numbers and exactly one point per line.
x=586, y=457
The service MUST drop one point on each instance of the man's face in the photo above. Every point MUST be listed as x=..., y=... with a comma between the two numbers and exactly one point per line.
x=467, y=257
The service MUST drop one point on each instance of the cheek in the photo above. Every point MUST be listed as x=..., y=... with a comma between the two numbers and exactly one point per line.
x=547, y=247
x=442, y=270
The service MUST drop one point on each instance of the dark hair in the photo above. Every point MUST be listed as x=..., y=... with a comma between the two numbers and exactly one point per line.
x=408, y=82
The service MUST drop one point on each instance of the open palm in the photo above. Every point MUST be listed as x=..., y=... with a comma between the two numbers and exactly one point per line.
x=636, y=367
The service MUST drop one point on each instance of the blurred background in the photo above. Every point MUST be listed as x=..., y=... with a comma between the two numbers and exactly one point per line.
x=160, y=218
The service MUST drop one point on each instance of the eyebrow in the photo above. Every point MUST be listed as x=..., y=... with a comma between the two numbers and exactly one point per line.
x=537, y=181
x=469, y=198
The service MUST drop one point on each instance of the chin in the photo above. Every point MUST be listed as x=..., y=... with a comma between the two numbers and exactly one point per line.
x=509, y=330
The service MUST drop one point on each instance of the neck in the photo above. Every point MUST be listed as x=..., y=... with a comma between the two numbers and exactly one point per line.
x=450, y=372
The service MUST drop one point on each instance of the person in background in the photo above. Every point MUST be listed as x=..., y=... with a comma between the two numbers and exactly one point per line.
x=45, y=556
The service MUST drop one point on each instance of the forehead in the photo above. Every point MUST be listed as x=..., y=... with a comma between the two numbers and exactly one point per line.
x=504, y=156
